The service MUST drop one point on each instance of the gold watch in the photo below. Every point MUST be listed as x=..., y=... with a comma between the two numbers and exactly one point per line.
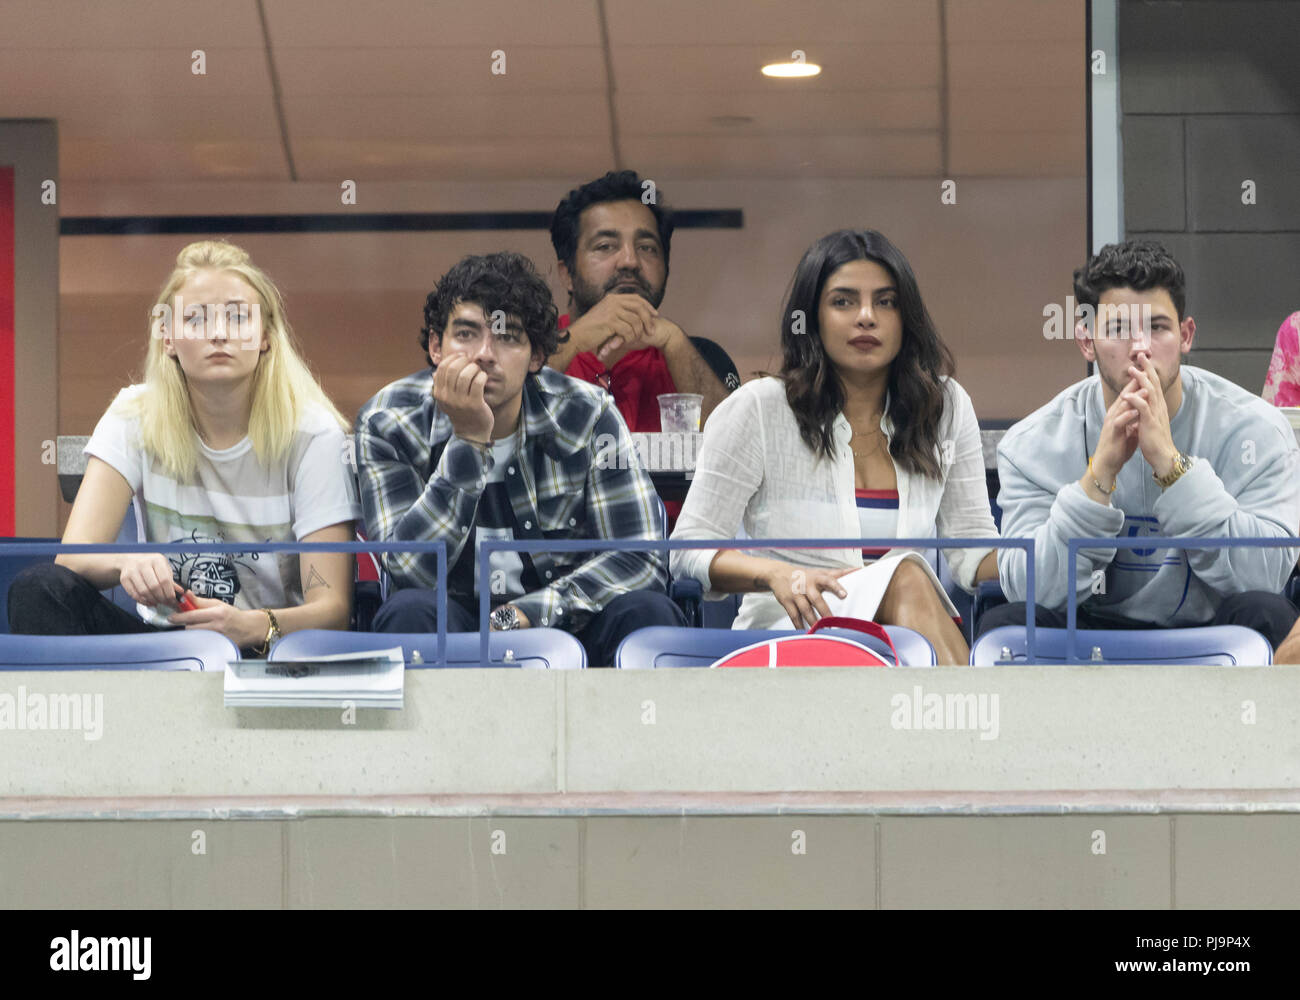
x=1181, y=464
x=273, y=633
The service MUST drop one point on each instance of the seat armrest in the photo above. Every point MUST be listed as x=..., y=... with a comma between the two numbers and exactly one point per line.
x=987, y=595
x=688, y=594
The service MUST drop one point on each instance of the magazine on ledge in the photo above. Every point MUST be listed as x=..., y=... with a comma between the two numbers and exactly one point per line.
x=367, y=679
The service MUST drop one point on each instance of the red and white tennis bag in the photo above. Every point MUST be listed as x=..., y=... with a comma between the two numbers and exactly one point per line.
x=811, y=650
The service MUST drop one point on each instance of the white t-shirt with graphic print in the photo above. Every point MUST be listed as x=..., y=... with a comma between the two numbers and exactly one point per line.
x=231, y=497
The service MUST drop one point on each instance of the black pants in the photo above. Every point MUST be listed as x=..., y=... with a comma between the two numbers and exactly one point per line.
x=415, y=610
x=1269, y=614
x=46, y=599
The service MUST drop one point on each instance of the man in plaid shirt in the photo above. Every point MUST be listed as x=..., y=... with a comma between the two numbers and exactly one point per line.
x=490, y=444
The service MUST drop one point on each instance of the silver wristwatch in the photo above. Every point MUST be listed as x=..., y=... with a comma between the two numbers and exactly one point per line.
x=504, y=618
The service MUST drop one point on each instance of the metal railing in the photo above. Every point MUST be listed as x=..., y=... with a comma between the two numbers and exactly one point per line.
x=487, y=548
x=660, y=545
x=1155, y=543
x=438, y=548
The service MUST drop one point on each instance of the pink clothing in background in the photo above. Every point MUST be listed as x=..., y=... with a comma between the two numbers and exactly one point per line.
x=1282, y=384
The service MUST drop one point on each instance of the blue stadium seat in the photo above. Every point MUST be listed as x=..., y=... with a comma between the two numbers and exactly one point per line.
x=661, y=647
x=987, y=595
x=536, y=648
x=10, y=567
x=188, y=649
x=962, y=601
x=720, y=614
x=688, y=594
x=1222, y=645
x=1292, y=588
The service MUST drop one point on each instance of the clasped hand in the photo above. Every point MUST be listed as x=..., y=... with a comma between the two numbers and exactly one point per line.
x=1137, y=419
x=621, y=323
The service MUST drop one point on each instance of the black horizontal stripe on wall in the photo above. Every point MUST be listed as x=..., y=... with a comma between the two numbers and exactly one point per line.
x=360, y=222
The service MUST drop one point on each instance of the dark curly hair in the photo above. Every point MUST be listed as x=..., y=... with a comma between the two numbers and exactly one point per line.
x=812, y=385
x=506, y=281
x=622, y=185
x=1137, y=264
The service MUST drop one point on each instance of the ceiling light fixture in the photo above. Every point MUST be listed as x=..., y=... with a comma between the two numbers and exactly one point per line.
x=791, y=69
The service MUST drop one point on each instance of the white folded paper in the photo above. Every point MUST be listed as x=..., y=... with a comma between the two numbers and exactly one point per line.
x=367, y=679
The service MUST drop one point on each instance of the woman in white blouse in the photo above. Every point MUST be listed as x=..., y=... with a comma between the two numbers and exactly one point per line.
x=862, y=434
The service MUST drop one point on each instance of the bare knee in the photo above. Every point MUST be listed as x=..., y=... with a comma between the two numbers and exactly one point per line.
x=910, y=593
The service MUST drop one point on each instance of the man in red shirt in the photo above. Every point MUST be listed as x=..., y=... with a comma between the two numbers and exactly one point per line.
x=612, y=240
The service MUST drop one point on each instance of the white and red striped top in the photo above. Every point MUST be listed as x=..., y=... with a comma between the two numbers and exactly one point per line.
x=877, y=517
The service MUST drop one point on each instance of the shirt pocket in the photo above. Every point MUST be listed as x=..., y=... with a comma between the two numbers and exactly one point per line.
x=563, y=515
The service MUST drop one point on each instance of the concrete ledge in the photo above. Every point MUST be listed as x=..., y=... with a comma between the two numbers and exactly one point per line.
x=652, y=861
x=511, y=733
x=1113, y=802
x=1135, y=787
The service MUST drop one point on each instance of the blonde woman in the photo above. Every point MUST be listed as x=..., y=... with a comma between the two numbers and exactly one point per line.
x=229, y=439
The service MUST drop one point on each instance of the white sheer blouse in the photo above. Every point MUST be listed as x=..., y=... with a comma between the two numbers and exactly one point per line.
x=755, y=471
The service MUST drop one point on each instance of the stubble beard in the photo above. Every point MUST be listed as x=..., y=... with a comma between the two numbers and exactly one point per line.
x=585, y=296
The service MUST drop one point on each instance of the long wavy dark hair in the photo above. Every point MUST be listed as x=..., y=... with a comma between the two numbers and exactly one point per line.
x=813, y=386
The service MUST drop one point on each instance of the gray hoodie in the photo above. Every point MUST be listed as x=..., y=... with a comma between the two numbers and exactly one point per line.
x=1243, y=484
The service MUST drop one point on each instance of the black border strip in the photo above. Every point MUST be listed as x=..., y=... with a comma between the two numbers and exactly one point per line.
x=369, y=222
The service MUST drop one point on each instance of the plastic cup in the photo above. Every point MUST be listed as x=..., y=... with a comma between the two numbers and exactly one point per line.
x=679, y=412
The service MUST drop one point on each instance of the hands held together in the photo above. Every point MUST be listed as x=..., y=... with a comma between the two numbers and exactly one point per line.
x=621, y=323
x=1137, y=419
x=147, y=579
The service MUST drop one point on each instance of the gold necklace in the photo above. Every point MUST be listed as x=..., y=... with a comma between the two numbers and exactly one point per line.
x=875, y=432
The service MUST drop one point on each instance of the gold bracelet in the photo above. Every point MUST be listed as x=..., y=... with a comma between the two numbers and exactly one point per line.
x=1100, y=488
x=272, y=633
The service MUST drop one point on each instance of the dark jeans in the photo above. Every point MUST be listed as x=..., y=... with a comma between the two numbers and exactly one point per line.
x=46, y=599
x=415, y=610
x=1269, y=614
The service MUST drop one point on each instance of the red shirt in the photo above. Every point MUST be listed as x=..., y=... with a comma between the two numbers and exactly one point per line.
x=636, y=382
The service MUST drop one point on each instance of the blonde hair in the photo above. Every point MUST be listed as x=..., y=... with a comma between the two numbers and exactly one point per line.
x=283, y=386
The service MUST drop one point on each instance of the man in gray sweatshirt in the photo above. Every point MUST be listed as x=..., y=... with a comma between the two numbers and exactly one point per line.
x=1148, y=447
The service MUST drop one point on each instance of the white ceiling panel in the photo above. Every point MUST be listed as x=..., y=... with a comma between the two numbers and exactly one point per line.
x=402, y=90
x=778, y=113
x=63, y=78
x=736, y=68
x=128, y=24
x=440, y=72
x=880, y=154
x=490, y=24
x=786, y=24
x=160, y=117
x=401, y=118
x=448, y=158
x=156, y=160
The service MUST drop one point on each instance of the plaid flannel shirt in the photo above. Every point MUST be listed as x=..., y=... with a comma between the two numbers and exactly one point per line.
x=578, y=477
